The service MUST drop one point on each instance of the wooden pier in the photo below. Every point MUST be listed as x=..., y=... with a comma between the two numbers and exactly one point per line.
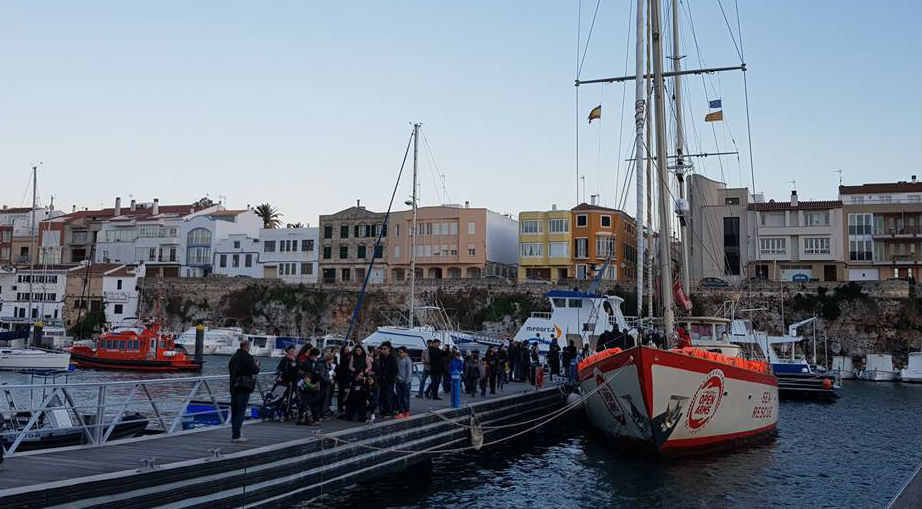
x=280, y=462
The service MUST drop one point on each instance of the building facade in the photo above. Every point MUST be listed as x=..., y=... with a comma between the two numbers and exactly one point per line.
x=238, y=255
x=545, y=241
x=797, y=238
x=48, y=293
x=347, y=240
x=718, y=230
x=120, y=293
x=290, y=254
x=6, y=245
x=600, y=234
x=452, y=242
x=882, y=230
x=199, y=234
x=21, y=223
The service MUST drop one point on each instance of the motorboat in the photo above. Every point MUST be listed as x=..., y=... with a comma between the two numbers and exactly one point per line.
x=14, y=359
x=913, y=372
x=260, y=346
x=878, y=367
x=142, y=347
x=214, y=337
x=842, y=367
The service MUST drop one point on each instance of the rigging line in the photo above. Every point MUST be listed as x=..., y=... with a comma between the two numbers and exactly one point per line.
x=739, y=28
x=627, y=52
x=579, y=68
x=443, y=194
x=579, y=18
x=730, y=29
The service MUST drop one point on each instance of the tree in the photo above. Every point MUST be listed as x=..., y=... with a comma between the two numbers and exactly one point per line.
x=203, y=202
x=269, y=214
x=295, y=225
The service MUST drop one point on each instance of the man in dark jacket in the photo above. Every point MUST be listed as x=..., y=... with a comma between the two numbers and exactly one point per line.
x=243, y=369
x=386, y=372
x=437, y=369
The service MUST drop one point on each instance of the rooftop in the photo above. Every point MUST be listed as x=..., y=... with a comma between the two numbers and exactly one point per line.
x=801, y=205
x=883, y=187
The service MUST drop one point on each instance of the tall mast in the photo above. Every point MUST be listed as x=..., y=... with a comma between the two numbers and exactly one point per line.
x=665, y=260
x=639, y=112
x=649, y=86
x=413, y=229
x=32, y=241
x=679, y=138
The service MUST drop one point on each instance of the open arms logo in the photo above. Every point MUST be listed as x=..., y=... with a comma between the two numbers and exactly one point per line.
x=609, y=398
x=706, y=400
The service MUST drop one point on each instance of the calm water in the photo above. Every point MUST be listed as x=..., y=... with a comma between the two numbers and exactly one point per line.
x=856, y=452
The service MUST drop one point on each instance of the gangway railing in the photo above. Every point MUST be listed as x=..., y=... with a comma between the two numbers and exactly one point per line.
x=95, y=409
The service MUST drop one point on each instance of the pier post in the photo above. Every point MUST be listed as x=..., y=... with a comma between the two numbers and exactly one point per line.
x=37, y=333
x=199, y=342
x=456, y=389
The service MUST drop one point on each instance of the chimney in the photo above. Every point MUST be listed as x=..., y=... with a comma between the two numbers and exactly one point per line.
x=913, y=179
x=467, y=204
x=794, y=198
x=134, y=205
x=156, y=208
x=73, y=208
x=358, y=203
x=118, y=205
x=553, y=206
x=593, y=199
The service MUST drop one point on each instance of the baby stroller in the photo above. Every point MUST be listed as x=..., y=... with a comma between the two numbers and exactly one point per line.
x=279, y=403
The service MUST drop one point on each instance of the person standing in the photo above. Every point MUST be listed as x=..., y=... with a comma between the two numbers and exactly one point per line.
x=386, y=373
x=535, y=362
x=553, y=358
x=243, y=369
x=491, y=360
x=436, y=370
x=426, y=369
x=404, y=375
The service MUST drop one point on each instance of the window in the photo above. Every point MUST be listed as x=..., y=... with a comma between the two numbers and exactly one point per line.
x=773, y=219
x=396, y=251
x=603, y=246
x=773, y=246
x=346, y=275
x=118, y=284
x=248, y=261
x=307, y=269
x=531, y=227
x=471, y=228
x=117, y=309
x=379, y=251
x=581, y=248
x=559, y=250
x=731, y=201
x=860, y=250
x=307, y=245
x=471, y=249
x=360, y=252
x=582, y=220
x=816, y=245
x=235, y=260
x=606, y=221
x=327, y=252
x=198, y=256
x=344, y=231
x=328, y=231
x=885, y=198
x=558, y=226
x=453, y=228
x=236, y=244
x=222, y=261
x=269, y=246
x=343, y=252
x=857, y=199
x=816, y=218
x=732, y=246
x=860, y=224
x=581, y=272
x=532, y=250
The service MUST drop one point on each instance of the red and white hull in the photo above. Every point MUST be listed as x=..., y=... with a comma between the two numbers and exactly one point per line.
x=673, y=403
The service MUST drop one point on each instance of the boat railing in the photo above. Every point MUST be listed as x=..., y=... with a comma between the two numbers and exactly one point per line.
x=541, y=314
x=96, y=409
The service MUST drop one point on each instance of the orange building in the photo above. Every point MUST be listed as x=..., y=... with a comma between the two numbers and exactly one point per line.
x=597, y=232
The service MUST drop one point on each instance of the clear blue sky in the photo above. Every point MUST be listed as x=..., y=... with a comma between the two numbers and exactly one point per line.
x=307, y=105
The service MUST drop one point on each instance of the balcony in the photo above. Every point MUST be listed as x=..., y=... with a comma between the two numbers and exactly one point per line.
x=904, y=259
x=902, y=232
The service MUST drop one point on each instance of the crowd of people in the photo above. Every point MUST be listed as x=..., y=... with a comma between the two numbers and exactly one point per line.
x=359, y=384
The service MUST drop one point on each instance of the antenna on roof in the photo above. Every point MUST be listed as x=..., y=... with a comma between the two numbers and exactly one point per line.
x=840, y=175
x=793, y=184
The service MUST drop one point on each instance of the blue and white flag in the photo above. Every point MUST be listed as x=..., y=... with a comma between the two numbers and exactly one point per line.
x=715, y=104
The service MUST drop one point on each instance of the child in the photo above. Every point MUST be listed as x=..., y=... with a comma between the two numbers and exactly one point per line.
x=374, y=397
x=357, y=400
x=472, y=373
x=309, y=399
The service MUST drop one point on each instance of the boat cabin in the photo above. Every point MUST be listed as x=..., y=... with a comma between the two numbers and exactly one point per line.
x=710, y=333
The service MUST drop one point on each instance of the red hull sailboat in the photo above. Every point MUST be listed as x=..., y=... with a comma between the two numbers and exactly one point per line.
x=142, y=347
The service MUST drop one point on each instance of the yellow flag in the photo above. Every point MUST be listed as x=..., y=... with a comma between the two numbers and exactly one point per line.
x=715, y=116
x=595, y=114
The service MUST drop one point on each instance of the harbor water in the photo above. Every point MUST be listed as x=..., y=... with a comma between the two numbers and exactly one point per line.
x=854, y=453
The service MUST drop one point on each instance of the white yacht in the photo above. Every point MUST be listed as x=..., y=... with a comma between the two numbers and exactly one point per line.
x=913, y=372
x=214, y=338
x=260, y=346
x=878, y=367
x=842, y=367
x=12, y=359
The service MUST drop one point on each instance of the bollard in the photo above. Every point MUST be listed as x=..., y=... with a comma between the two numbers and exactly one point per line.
x=456, y=389
x=199, y=342
x=36, y=334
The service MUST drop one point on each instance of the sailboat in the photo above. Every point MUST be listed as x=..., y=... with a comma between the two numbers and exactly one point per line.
x=704, y=395
x=33, y=358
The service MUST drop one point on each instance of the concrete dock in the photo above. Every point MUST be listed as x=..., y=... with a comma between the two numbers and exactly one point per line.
x=910, y=496
x=281, y=462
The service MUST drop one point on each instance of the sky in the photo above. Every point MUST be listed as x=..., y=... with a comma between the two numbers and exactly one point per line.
x=308, y=105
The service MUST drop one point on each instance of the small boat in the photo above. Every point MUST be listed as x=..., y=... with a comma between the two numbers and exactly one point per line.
x=842, y=367
x=214, y=337
x=13, y=359
x=913, y=372
x=260, y=346
x=142, y=347
x=878, y=367
x=59, y=430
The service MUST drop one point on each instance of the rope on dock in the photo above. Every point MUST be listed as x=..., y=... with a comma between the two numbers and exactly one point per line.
x=549, y=417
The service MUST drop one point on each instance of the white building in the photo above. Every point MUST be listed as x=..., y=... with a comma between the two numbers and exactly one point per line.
x=201, y=233
x=120, y=294
x=48, y=293
x=289, y=254
x=237, y=256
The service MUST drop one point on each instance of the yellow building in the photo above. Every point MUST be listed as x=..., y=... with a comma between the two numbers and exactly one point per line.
x=545, y=241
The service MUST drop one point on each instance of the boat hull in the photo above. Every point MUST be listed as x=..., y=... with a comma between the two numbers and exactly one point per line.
x=876, y=375
x=153, y=365
x=671, y=403
x=33, y=359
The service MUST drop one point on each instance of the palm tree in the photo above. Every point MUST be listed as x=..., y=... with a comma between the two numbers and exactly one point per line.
x=269, y=214
x=295, y=225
